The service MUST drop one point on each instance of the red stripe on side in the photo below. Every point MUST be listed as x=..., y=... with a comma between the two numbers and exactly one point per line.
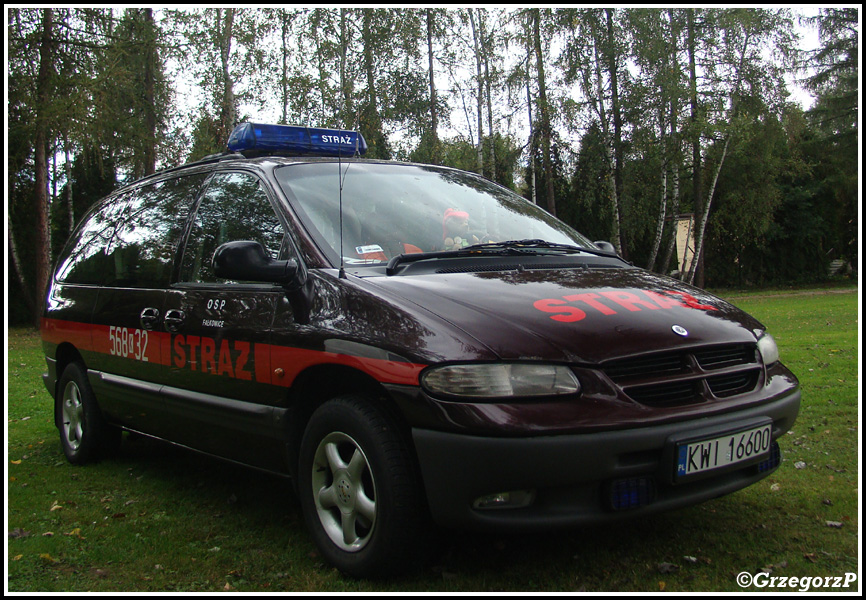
x=137, y=344
x=155, y=347
x=295, y=360
x=56, y=331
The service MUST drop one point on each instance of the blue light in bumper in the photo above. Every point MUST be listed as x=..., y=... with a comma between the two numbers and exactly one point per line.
x=774, y=460
x=258, y=138
x=631, y=493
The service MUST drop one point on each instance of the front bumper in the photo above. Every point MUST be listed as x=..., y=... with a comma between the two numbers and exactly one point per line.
x=571, y=474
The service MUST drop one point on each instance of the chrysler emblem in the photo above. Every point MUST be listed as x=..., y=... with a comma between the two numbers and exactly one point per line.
x=680, y=330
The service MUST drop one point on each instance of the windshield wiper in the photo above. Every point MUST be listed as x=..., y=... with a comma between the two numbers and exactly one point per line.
x=509, y=248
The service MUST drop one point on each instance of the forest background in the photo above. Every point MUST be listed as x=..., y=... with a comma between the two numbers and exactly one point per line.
x=616, y=120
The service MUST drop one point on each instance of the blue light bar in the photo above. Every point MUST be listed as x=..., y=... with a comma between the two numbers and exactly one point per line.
x=257, y=138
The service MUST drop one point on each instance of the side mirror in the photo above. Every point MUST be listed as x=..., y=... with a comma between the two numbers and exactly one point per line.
x=606, y=246
x=248, y=261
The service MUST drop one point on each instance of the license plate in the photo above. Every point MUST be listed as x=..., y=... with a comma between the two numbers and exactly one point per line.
x=715, y=453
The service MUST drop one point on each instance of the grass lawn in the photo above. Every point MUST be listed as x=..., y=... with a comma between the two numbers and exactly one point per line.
x=162, y=519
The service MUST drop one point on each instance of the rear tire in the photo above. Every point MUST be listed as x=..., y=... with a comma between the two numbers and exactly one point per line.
x=84, y=434
x=359, y=489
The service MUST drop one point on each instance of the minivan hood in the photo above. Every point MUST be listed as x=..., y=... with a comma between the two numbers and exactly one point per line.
x=574, y=315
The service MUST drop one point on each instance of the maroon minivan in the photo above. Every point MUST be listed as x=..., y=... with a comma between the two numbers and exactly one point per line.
x=410, y=344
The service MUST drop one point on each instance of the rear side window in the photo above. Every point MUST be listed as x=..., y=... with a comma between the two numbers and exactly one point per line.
x=132, y=240
x=235, y=207
x=86, y=262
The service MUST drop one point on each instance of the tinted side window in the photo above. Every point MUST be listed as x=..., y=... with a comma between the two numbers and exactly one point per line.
x=86, y=261
x=235, y=207
x=131, y=242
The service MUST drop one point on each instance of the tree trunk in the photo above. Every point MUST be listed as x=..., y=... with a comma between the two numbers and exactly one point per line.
x=40, y=198
x=607, y=142
x=697, y=260
x=491, y=142
x=149, y=93
x=675, y=148
x=617, y=127
x=434, y=117
x=544, y=109
x=375, y=137
x=345, y=84
x=704, y=216
x=68, y=170
x=675, y=194
x=480, y=95
x=532, y=195
x=228, y=116
x=697, y=167
x=660, y=223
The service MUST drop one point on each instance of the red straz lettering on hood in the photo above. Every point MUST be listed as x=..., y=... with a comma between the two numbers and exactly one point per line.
x=575, y=307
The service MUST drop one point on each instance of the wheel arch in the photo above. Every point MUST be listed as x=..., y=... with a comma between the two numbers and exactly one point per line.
x=320, y=383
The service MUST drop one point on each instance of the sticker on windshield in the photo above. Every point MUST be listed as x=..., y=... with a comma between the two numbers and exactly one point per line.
x=361, y=250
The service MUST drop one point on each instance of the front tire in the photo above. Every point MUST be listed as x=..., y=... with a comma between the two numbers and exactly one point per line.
x=359, y=488
x=84, y=434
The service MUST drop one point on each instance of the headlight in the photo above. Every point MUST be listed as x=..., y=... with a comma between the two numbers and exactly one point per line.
x=500, y=380
x=768, y=349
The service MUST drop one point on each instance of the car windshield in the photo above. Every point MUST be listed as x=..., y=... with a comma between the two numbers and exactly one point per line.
x=393, y=209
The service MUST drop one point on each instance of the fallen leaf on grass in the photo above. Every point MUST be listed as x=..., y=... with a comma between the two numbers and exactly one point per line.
x=836, y=524
x=770, y=568
x=661, y=586
x=48, y=558
x=18, y=533
x=668, y=568
x=810, y=557
x=76, y=532
x=55, y=506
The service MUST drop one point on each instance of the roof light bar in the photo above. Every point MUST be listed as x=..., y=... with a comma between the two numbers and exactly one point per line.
x=257, y=139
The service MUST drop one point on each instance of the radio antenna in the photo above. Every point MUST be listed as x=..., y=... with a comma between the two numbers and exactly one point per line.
x=341, y=177
x=340, y=180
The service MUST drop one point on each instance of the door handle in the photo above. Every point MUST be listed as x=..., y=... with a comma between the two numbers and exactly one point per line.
x=148, y=318
x=174, y=319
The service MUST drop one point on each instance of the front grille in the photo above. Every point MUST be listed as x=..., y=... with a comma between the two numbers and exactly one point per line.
x=725, y=386
x=666, y=394
x=646, y=366
x=688, y=377
x=726, y=356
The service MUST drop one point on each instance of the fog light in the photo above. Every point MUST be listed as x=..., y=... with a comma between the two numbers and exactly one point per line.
x=632, y=493
x=773, y=461
x=514, y=499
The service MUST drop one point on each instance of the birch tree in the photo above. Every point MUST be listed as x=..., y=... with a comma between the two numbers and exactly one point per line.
x=737, y=68
x=592, y=59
